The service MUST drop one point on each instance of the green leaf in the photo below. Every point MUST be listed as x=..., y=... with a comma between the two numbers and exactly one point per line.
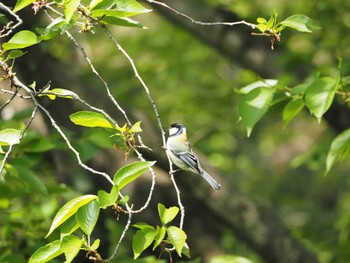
x=300, y=23
x=31, y=180
x=121, y=21
x=261, y=20
x=107, y=199
x=136, y=127
x=291, y=110
x=186, y=251
x=70, y=6
x=15, y=54
x=90, y=119
x=20, y=40
x=131, y=6
x=69, y=226
x=160, y=234
x=130, y=172
x=177, y=238
x=167, y=215
x=95, y=245
x=62, y=93
x=254, y=106
x=9, y=137
x=299, y=89
x=141, y=240
x=47, y=252
x=319, y=95
x=267, y=83
x=69, y=209
x=22, y=4
x=87, y=216
x=101, y=4
x=142, y=225
x=340, y=148
x=70, y=245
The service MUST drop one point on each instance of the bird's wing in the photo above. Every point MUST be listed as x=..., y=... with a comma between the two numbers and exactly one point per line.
x=190, y=159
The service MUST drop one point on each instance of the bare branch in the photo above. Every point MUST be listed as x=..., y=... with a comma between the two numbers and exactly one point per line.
x=9, y=27
x=242, y=22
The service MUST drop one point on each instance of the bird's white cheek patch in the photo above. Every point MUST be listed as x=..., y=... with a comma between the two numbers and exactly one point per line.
x=173, y=131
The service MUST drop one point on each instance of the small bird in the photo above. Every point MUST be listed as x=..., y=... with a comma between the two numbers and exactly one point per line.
x=181, y=154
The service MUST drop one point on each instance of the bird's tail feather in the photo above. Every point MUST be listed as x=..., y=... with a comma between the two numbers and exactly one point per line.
x=216, y=186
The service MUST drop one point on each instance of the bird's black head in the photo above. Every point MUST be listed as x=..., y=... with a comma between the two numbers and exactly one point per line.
x=176, y=129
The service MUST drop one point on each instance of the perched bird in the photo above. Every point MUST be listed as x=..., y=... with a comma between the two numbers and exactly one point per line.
x=181, y=154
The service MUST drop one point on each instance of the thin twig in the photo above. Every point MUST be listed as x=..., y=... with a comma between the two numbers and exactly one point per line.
x=137, y=75
x=19, y=138
x=242, y=22
x=9, y=27
x=14, y=94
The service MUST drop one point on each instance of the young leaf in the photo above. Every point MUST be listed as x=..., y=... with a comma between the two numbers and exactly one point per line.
x=130, y=172
x=177, y=238
x=87, y=216
x=107, y=199
x=121, y=21
x=90, y=119
x=9, y=137
x=62, y=93
x=267, y=83
x=101, y=4
x=142, y=226
x=15, y=54
x=136, y=127
x=142, y=239
x=69, y=226
x=291, y=110
x=254, y=106
x=69, y=209
x=46, y=253
x=160, y=234
x=70, y=6
x=301, y=23
x=22, y=4
x=95, y=245
x=167, y=215
x=340, y=148
x=319, y=95
x=70, y=245
x=20, y=40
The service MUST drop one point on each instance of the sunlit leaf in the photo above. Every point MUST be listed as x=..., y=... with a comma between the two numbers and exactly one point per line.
x=9, y=137
x=90, y=119
x=291, y=110
x=62, y=93
x=20, y=40
x=319, y=95
x=46, y=253
x=87, y=216
x=167, y=215
x=160, y=234
x=70, y=245
x=267, y=83
x=177, y=238
x=130, y=172
x=20, y=4
x=141, y=240
x=301, y=23
x=70, y=6
x=69, y=209
x=108, y=199
x=254, y=105
x=340, y=148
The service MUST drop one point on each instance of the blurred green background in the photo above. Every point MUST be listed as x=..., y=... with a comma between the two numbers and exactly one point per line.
x=195, y=84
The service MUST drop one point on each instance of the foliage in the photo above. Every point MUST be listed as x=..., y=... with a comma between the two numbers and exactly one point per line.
x=72, y=228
